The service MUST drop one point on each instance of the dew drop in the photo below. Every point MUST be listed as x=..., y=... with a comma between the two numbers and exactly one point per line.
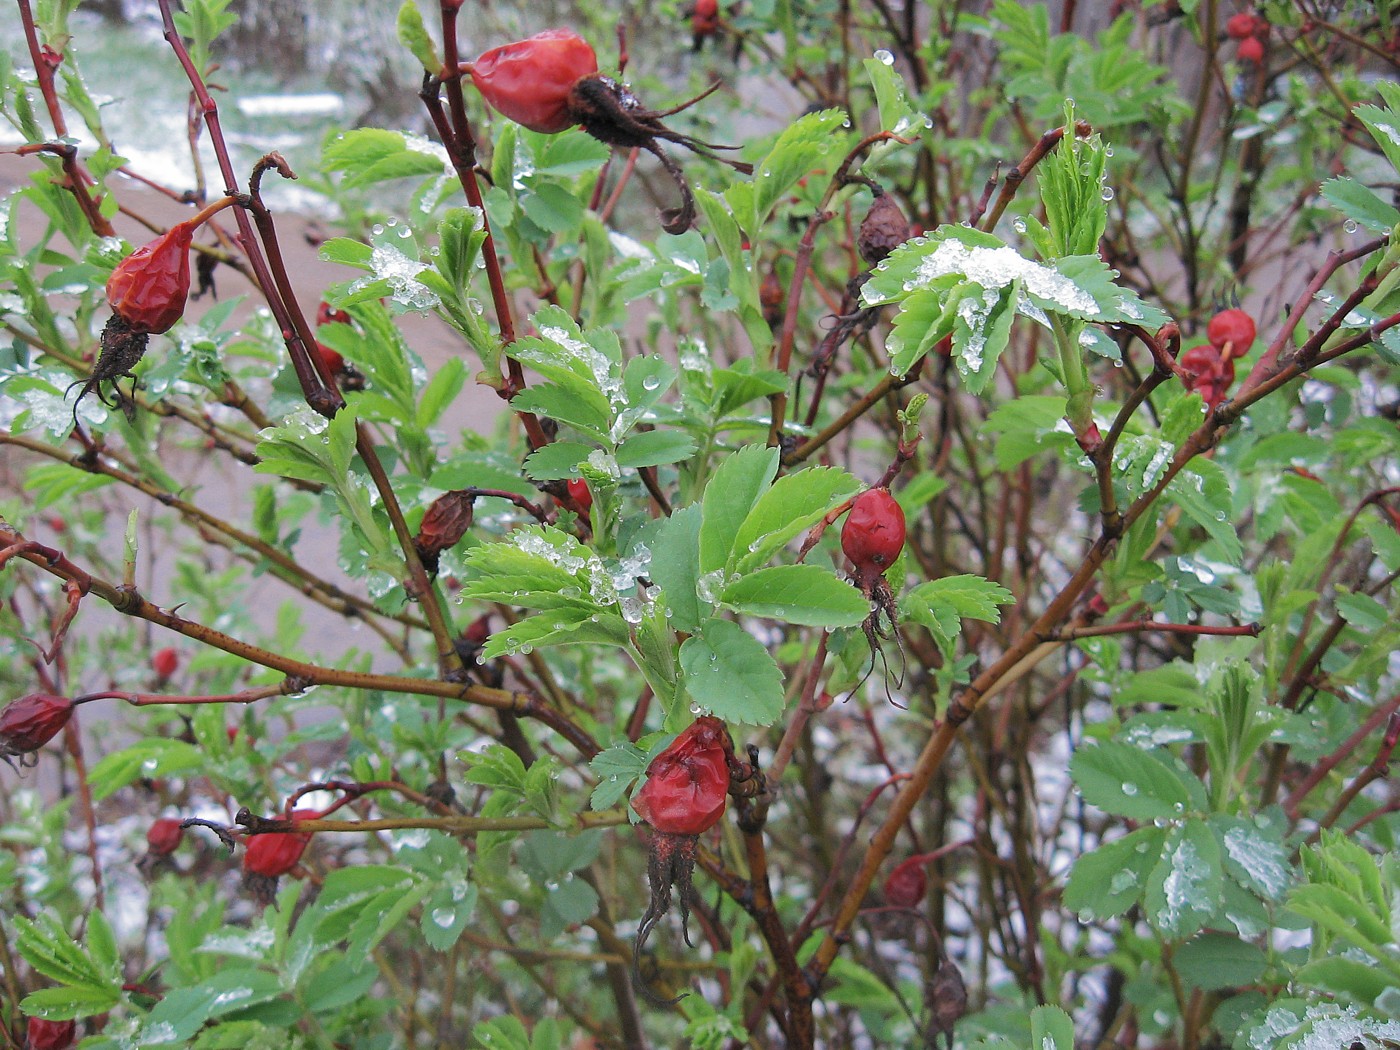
x=1350, y=226
x=405, y=232
x=1108, y=151
x=885, y=57
x=1106, y=193
x=376, y=229
x=1019, y=225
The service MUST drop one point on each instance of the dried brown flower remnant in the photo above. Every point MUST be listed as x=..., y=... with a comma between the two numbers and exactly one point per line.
x=883, y=229
x=446, y=522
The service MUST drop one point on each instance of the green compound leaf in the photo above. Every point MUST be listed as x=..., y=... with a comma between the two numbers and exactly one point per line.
x=731, y=675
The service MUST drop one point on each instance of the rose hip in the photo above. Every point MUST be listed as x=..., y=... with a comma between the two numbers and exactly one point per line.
x=165, y=662
x=163, y=837
x=1245, y=24
x=529, y=81
x=1233, y=328
x=688, y=783
x=149, y=287
x=328, y=314
x=1250, y=50
x=276, y=853
x=50, y=1035
x=704, y=22
x=684, y=796
x=579, y=493
x=907, y=884
x=873, y=534
x=271, y=855
x=1208, y=373
x=883, y=229
x=30, y=722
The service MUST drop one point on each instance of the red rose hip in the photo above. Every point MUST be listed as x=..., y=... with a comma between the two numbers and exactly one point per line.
x=334, y=361
x=907, y=884
x=688, y=783
x=277, y=853
x=163, y=837
x=579, y=493
x=50, y=1035
x=30, y=722
x=149, y=287
x=1233, y=327
x=529, y=81
x=165, y=662
x=1250, y=50
x=1245, y=24
x=873, y=534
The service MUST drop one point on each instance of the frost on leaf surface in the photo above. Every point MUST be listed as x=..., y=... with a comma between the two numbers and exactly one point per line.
x=999, y=267
x=401, y=272
x=969, y=274
x=1262, y=860
x=1319, y=1028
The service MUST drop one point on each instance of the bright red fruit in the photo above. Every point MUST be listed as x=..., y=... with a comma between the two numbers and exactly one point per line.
x=704, y=20
x=30, y=722
x=1245, y=24
x=165, y=662
x=1232, y=326
x=276, y=854
x=50, y=1035
x=529, y=81
x=334, y=361
x=1208, y=373
x=1250, y=50
x=873, y=534
x=688, y=783
x=326, y=313
x=907, y=884
x=578, y=492
x=148, y=287
x=163, y=837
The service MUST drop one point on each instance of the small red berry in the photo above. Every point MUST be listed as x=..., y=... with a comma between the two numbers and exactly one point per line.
x=688, y=783
x=50, y=1035
x=907, y=884
x=772, y=298
x=165, y=662
x=1207, y=373
x=30, y=722
x=326, y=314
x=579, y=493
x=335, y=362
x=58, y=524
x=478, y=630
x=163, y=837
x=873, y=534
x=1240, y=26
x=704, y=21
x=1233, y=327
x=277, y=853
x=273, y=854
x=148, y=288
x=529, y=81
x=1250, y=50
